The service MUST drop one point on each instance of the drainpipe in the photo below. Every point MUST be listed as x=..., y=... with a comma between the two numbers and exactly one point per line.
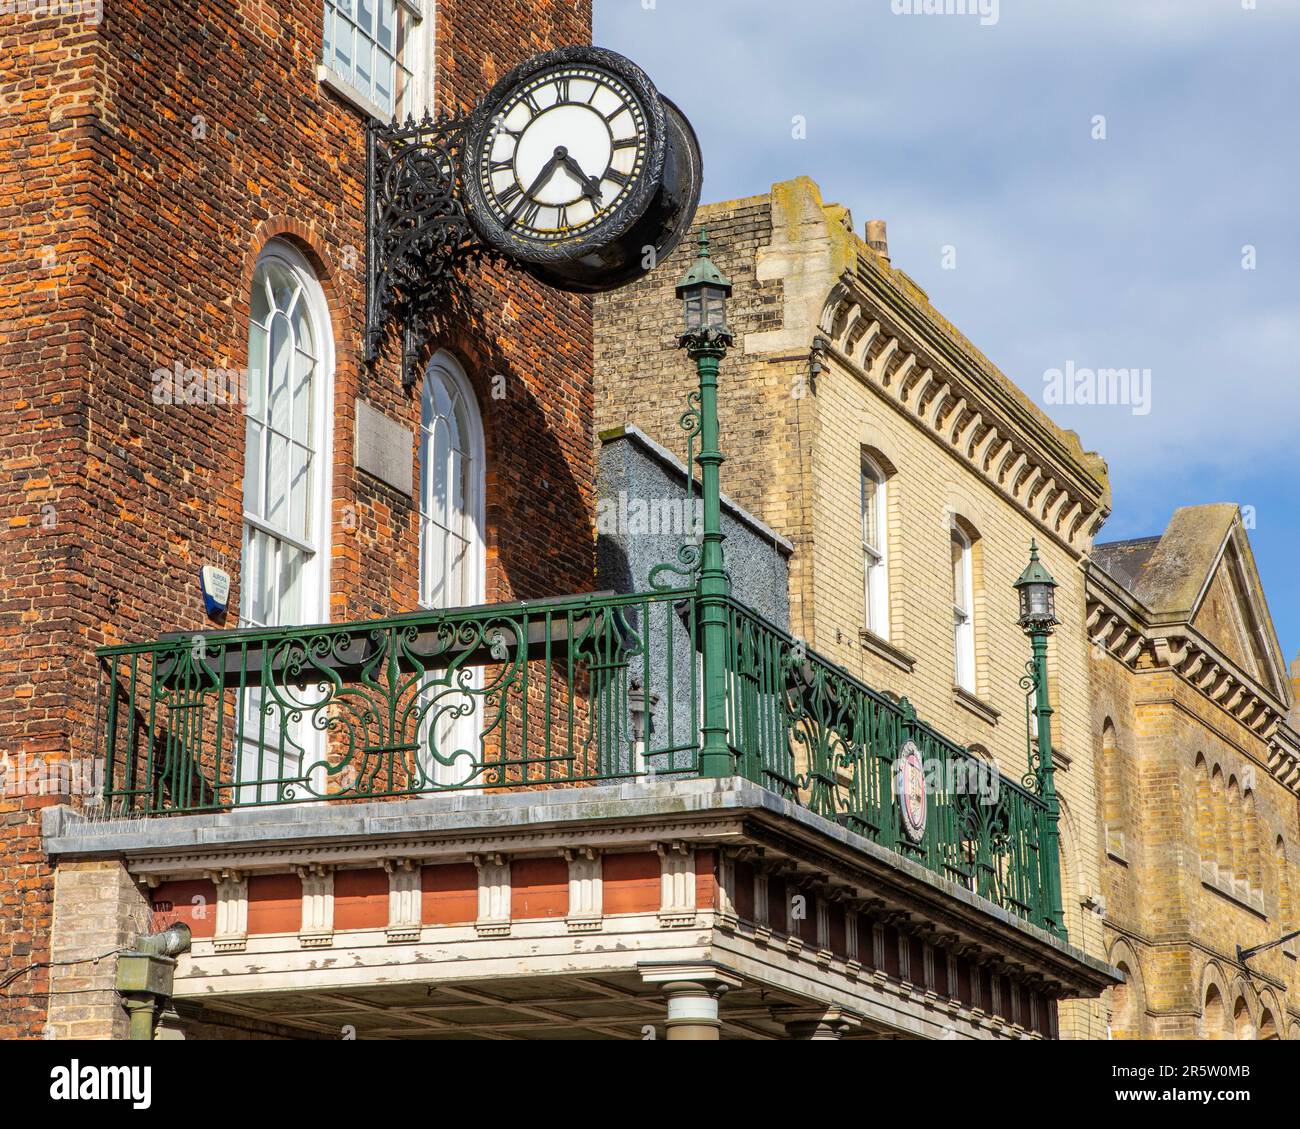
x=145, y=975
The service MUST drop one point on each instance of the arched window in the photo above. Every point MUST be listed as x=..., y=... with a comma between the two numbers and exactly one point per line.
x=1214, y=1016
x=1268, y=1031
x=1204, y=813
x=1123, y=1007
x=284, y=571
x=1222, y=825
x=963, y=607
x=875, y=562
x=1236, y=835
x=1251, y=864
x=451, y=489
x=1285, y=893
x=1113, y=793
x=451, y=564
x=1243, y=1029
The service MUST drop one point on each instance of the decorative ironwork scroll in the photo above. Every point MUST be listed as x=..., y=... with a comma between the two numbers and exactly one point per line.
x=417, y=232
x=1033, y=779
x=687, y=562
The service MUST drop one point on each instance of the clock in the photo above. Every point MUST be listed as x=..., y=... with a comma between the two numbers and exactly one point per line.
x=579, y=171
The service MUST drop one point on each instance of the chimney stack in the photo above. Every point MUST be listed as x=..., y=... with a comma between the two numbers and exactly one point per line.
x=877, y=240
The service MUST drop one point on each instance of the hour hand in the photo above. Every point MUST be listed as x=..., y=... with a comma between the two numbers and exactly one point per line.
x=590, y=184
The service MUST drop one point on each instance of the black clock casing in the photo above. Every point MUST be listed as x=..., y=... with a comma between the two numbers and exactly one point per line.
x=626, y=219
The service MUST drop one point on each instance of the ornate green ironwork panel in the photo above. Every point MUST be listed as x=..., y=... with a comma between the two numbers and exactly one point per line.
x=494, y=697
x=811, y=732
x=555, y=693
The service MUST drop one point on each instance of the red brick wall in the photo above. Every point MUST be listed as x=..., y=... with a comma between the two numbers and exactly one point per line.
x=156, y=233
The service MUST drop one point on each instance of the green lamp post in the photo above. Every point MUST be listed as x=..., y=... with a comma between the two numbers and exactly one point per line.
x=1037, y=592
x=704, y=291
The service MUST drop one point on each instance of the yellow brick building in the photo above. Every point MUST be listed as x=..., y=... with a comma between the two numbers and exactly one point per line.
x=910, y=475
x=1199, y=764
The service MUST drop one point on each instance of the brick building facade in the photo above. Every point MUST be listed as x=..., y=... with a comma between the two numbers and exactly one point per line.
x=150, y=157
x=1175, y=724
x=1199, y=761
x=842, y=363
x=542, y=855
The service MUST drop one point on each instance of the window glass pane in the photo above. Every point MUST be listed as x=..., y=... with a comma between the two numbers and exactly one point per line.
x=283, y=285
x=958, y=577
x=449, y=496
x=304, y=337
x=386, y=33
x=383, y=83
x=257, y=369
x=439, y=495
x=290, y=584
x=364, y=67
x=305, y=367
x=457, y=571
x=261, y=581
x=277, y=480
x=435, y=565
x=253, y=467
x=343, y=48
x=456, y=509
x=300, y=493
x=260, y=307
x=366, y=16
x=870, y=528
x=278, y=372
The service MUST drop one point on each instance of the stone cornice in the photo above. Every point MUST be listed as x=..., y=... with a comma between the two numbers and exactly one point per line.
x=893, y=342
x=455, y=828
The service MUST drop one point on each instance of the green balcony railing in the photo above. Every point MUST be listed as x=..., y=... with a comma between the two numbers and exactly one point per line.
x=561, y=692
x=813, y=733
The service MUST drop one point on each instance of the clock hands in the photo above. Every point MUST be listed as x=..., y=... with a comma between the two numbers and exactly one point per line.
x=560, y=159
x=590, y=184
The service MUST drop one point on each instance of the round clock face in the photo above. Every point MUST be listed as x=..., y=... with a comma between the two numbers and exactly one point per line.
x=576, y=169
x=564, y=150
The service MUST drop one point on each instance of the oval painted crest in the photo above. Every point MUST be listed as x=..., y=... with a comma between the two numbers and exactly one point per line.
x=909, y=785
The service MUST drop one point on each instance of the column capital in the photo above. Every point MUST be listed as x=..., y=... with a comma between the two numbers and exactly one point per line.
x=692, y=992
x=818, y=1023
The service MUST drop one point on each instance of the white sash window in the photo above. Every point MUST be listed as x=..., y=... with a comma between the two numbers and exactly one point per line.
x=452, y=571
x=284, y=574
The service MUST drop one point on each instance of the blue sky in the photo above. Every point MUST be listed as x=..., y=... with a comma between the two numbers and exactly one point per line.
x=1125, y=252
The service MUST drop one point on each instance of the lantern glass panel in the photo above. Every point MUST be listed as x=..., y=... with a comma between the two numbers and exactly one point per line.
x=694, y=311
x=716, y=305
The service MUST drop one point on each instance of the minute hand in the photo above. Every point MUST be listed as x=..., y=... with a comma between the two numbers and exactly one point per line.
x=542, y=177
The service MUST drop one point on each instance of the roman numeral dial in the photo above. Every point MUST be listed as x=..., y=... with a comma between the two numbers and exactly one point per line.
x=561, y=155
x=577, y=171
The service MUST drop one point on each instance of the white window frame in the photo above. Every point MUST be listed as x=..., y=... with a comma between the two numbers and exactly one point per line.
x=314, y=604
x=963, y=613
x=875, y=549
x=444, y=370
x=413, y=88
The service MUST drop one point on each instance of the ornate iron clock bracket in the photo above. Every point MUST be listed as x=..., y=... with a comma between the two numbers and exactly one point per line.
x=417, y=232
